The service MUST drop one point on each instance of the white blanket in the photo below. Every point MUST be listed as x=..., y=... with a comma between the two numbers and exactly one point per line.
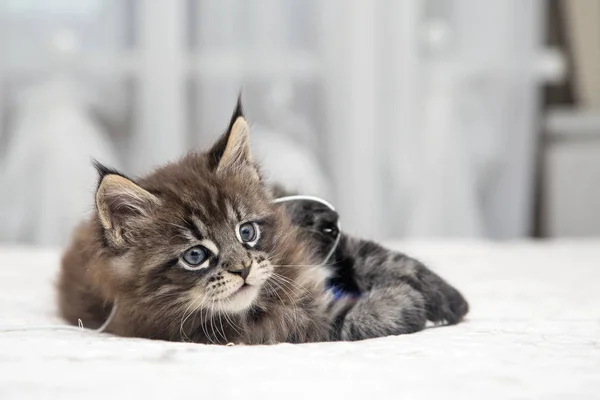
x=533, y=333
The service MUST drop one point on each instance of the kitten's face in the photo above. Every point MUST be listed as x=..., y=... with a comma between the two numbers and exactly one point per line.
x=200, y=234
x=317, y=221
x=213, y=246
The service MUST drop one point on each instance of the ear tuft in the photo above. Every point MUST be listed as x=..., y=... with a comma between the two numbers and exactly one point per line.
x=237, y=150
x=237, y=113
x=103, y=170
x=231, y=153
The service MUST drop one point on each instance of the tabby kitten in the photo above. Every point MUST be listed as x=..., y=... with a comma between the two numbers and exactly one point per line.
x=198, y=251
x=195, y=251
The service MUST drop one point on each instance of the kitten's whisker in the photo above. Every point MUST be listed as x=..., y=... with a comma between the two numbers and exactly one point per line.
x=296, y=265
x=283, y=284
x=231, y=323
x=203, y=323
x=213, y=323
x=211, y=317
x=287, y=292
x=184, y=318
x=301, y=288
x=293, y=307
x=291, y=282
x=274, y=291
x=222, y=329
x=198, y=308
x=286, y=288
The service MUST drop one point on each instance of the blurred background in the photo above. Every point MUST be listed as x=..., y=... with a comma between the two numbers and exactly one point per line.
x=417, y=118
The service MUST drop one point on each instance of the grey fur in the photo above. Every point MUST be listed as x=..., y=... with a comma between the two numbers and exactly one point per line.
x=271, y=289
x=397, y=294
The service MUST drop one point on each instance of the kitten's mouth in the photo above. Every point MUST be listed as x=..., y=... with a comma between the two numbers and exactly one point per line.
x=245, y=291
x=240, y=299
x=245, y=287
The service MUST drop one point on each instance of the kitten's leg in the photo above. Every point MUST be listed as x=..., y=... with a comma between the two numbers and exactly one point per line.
x=377, y=267
x=384, y=312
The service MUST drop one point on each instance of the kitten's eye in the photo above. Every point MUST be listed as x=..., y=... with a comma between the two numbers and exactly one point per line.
x=330, y=230
x=196, y=257
x=249, y=233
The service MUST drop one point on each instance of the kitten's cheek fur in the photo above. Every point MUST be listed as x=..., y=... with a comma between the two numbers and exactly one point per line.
x=259, y=274
x=241, y=300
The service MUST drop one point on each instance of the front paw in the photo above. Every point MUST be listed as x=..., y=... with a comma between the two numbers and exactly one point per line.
x=444, y=304
x=384, y=312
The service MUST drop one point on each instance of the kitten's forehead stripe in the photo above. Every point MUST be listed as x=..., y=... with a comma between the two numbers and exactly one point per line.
x=210, y=245
x=243, y=210
x=187, y=234
x=232, y=214
x=214, y=199
x=222, y=205
x=194, y=227
x=198, y=209
x=198, y=227
x=238, y=215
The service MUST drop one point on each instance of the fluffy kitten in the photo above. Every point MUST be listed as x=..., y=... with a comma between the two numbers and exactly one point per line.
x=195, y=251
x=391, y=293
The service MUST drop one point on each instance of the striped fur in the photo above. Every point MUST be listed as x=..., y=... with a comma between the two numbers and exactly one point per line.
x=131, y=250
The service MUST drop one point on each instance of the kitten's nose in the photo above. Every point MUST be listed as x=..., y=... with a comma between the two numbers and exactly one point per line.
x=244, y=272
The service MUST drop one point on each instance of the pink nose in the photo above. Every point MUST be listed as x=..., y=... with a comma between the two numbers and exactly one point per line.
x=244, y=272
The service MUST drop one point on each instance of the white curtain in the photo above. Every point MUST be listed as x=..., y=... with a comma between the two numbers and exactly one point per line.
x=417, y=118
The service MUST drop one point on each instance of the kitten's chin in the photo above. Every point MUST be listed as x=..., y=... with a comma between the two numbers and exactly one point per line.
x=240, y=300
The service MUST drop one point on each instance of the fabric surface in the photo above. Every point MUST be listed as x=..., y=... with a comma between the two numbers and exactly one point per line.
x=533, y=332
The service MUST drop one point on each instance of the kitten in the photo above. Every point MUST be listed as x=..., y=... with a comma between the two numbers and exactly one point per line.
x=391, y=293
x=196, y=251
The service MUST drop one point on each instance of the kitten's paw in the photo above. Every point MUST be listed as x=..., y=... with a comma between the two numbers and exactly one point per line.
x=444, y=304
x=384, y=312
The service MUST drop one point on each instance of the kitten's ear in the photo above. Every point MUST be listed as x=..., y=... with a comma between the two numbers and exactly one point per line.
x=119, y=201
x=232, y=153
